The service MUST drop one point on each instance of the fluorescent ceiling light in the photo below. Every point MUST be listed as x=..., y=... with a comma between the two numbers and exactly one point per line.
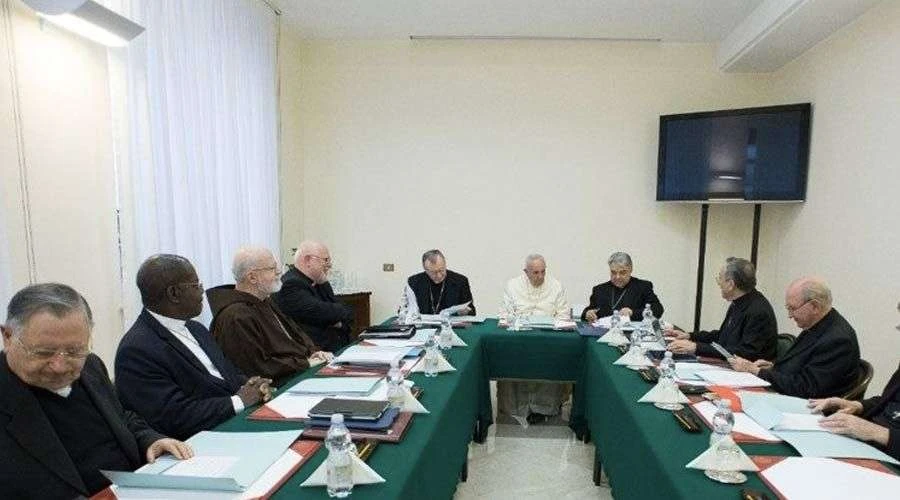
x=532, y=37
x=88, y=19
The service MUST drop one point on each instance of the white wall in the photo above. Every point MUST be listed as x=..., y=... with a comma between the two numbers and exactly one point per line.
x=848, y=231
x=65, y=123
x=492, y=150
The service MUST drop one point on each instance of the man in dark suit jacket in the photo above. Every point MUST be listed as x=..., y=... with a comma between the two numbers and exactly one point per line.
x=623, y=292
x=749, y=329
x=876, y=419
x=824, y=360
x=168, y=368
x=307, y=298
x=60, y=421
x=438, y=288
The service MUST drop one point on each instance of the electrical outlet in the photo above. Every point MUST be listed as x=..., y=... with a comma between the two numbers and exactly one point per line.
x=388, y=268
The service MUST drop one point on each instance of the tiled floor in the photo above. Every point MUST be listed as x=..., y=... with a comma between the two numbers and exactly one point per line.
x=542, y=461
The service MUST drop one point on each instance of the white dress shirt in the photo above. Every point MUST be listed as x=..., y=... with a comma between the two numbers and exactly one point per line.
x=549, y=299
x=179, y=330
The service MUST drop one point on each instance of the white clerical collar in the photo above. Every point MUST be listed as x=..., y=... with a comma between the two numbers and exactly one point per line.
x=64, y=391
x=169, y=323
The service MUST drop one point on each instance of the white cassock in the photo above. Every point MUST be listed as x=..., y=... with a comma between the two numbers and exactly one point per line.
x=518, y=399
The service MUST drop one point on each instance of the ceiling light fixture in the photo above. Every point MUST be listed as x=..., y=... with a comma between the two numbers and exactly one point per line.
x=534, y=38
x=88, y=19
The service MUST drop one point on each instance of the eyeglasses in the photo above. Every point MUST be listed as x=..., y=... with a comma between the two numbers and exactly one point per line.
x=197, y=285
x=326, y=260
x=48, y=354
x=792, y=310
x=275, y=269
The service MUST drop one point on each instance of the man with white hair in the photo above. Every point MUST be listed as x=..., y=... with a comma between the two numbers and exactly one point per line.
x=307, y=298
x=533, y=294
x=252, y=332
x=824, y=360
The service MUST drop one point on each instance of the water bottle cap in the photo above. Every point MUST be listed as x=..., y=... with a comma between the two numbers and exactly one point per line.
x=337, y=418
x=668, y=354
x=724, y=403
x=395, y=363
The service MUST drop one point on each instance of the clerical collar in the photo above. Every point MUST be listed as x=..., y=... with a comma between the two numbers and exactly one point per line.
x=64, y=391
x=169, y=323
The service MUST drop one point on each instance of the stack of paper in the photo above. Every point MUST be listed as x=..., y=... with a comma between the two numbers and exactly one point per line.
x=779, y=412
x=730, y=378
x=334, y=386
x=823, y=478
x=371, y=355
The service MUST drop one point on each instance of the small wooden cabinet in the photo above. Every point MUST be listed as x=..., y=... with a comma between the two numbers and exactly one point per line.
x=359, y=302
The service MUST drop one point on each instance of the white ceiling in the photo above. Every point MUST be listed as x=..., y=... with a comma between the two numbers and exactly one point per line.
x=668, y=20
x=752, y=35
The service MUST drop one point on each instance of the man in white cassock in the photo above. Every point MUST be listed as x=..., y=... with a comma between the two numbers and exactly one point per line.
x=531, y=294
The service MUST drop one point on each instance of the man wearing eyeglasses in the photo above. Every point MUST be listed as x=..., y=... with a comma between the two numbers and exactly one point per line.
x=250, y=328
x=60, y=420
x=824, y=360
x=307, y=298
x=168, y=367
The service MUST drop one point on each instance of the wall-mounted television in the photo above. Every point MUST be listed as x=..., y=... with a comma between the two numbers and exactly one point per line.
x=751, y=155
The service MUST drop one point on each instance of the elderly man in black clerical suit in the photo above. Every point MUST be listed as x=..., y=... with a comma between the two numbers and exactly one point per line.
x=623, y=292
x=749, y=329
x=876, y=419
x=437, y=288
x=307, y=298
x=169, y=369
x=824, y=360
x=60, y=420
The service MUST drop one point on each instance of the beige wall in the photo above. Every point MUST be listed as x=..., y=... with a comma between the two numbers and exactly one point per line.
x=492, y=150
x=848, y=231
x=65, y=124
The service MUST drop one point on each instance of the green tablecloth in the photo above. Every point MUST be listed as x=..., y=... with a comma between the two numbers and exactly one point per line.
x=641, y=447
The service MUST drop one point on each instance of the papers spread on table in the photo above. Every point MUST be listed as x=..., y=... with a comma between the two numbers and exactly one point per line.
x=742, y=423
x=689, y=372
x=824, y=478
x=826, y=444
x=292, y=406
x=731, y=378
x=330, y=386
x=227, y=461
x=779, y=412
x=370, y=355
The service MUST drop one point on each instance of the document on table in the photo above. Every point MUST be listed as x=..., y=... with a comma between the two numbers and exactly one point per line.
x=742, y=423
x=730, y=378
x=227, y=461
x=371, y=355
x=779, y=412
x=826, y=444
x=824, y=478
x=353, y=386
x=688, y=372
x=417, y=340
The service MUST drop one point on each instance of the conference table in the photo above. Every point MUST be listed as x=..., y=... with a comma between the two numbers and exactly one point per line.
x=641, y=448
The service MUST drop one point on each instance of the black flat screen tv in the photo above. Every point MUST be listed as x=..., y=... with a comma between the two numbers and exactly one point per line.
x=751, y=155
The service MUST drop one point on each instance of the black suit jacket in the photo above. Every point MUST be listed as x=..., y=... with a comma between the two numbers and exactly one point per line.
x=160, y=379
x=823, y=362
x=456, y=291
x=33, y=461
x=315, y=309
x=749, y=330
x=638, y=293
x=885, y=410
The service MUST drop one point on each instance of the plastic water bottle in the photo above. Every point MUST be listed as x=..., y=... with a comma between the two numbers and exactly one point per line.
x=667, y=368
x=403, y=310
x=432, y=354
x=722, y=421
x=648, y=315
x=616, y=320
x=647, y=323
x=445, y=339
x=396, y=393
x=339, y=466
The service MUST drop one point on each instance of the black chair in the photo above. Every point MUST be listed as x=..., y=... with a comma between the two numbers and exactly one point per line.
x=785, y=341
x=863, y=377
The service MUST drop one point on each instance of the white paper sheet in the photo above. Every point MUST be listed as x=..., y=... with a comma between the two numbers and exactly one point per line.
x=202, y=466
x=371, y=355
x=730, y=378
x=742, y=423
x=826, y=444
x=825, y=478
x=799, y=422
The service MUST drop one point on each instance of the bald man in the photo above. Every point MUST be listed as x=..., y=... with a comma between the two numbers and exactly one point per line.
x=307, y=298
x=252, y=332
x=824, y=360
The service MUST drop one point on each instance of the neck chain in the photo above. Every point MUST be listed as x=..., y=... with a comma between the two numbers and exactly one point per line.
x=612, y=295
x=434, y=309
